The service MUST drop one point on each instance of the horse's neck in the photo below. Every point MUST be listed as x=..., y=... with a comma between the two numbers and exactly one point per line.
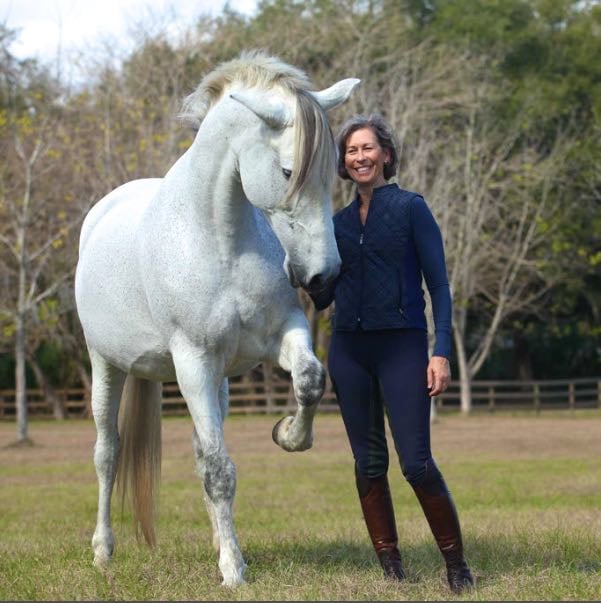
x=203, y=188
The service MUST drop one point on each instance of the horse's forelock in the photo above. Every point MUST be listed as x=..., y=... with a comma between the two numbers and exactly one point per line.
x=315, y=147
x=252, y=69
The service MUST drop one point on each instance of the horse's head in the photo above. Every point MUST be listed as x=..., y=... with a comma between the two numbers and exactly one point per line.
x=287, y=167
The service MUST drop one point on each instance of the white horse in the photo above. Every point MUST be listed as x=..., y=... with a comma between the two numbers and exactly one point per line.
x=188, y=278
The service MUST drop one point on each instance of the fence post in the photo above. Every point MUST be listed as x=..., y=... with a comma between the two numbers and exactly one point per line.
x=268, y=385
x=571, y=396
x=599, y=393
x=536, y=387
x=491, y=399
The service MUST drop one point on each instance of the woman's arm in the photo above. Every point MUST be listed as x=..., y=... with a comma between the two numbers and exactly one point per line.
x=430, y=250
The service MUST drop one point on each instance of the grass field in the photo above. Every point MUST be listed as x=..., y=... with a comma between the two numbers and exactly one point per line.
x=528, y=490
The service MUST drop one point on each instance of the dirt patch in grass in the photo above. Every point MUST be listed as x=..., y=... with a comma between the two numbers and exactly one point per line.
x=515, y=437
x=458, y=437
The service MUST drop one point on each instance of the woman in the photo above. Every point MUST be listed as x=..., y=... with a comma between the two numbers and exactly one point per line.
x=378, y=358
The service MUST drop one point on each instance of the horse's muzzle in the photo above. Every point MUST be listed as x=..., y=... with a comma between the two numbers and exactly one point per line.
x=313, y=283
x=317, y=284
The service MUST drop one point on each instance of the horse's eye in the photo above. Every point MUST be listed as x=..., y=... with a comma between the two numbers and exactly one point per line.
x=287, y=173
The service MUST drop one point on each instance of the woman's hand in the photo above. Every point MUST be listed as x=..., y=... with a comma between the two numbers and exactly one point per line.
x=438, y=375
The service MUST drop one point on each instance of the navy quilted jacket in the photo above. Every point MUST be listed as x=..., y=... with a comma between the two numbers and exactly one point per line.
x=380, y=281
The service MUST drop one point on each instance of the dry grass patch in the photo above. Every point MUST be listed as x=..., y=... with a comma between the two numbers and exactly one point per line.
x=527, y=490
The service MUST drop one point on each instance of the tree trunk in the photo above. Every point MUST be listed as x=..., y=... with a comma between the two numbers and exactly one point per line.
x=20, y=381
x=522, y=362
x=22, y=306
x=86, y=381
x=52, y=398
x=465, y=381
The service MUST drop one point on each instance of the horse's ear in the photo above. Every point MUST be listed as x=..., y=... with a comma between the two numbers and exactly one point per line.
x=267, y=106
x=336, y=94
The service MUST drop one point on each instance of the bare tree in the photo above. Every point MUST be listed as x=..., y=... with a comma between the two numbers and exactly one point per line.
x=34, y=232
x=492, y=195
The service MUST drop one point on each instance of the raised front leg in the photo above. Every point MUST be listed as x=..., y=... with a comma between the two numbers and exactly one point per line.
x=199, y=380
x=295, y=433
x=107, y=385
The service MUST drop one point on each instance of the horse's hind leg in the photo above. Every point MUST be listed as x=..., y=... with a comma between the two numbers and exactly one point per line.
x=200, y=463
x=199, y=384
x=107, y=385
x=295, y=354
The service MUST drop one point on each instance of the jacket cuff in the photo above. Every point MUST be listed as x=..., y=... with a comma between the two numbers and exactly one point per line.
x=442, y=346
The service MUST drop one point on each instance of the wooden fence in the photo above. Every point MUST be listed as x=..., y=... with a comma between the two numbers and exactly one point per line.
x=275, y=395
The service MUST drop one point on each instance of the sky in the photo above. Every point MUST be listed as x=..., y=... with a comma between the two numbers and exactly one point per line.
x=78, y=25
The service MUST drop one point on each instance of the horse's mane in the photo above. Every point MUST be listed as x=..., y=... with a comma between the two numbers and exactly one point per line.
x=314, y=140
x=252, y=68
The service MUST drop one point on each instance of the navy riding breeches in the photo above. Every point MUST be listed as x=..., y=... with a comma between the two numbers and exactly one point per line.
x=384, y=371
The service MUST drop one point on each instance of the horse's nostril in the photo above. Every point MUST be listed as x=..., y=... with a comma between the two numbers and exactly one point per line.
x=316, y=283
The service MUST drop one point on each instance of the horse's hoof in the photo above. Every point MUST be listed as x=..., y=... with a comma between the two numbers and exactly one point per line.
x=233, y=582
x=101, y=561
x=233, y=576
x=282, y=436
x=103, y=545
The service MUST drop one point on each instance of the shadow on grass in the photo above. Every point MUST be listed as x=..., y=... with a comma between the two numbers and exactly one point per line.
x=490, y=558
x=24, y=443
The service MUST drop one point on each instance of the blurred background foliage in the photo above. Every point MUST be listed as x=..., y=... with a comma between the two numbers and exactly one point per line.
x=497, y=107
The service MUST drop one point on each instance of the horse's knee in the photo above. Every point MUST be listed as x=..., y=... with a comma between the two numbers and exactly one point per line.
x=196, y=445
x=309, y=382
x=106, y=454
x=219, y=477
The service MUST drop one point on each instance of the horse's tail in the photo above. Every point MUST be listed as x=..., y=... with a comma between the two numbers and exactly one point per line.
x=139, y=466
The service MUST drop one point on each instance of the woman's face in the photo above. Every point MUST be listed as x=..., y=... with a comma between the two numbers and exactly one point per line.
x=364, y=158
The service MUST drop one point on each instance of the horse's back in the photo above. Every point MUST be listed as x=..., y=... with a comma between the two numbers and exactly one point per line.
x=128, y=200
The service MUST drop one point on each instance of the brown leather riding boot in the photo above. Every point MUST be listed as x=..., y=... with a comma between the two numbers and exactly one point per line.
x=441, y=514
x=376, y=503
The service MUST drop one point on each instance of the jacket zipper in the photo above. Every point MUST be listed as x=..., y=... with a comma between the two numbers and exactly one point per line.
x=361, y=235
x=362, y=276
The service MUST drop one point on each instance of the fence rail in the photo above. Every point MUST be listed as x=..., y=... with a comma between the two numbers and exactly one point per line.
x=535, y=395
x=275, y=395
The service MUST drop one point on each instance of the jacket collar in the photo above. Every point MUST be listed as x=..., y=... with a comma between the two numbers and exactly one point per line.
x=378, y=194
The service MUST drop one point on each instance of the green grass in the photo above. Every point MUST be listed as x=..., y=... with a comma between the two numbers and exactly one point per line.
x=531, y=521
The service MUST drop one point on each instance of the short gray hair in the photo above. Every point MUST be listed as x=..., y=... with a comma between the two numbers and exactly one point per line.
x=384, y=134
